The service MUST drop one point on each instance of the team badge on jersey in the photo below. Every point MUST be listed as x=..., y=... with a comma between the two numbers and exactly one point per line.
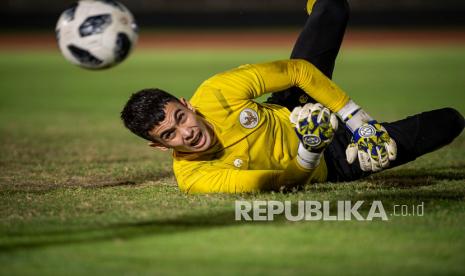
x=248, y=118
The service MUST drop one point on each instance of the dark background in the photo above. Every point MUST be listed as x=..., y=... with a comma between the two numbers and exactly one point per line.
x=42, y=14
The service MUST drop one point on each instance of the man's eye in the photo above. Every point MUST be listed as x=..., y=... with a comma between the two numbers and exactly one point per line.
x=181, y=117
x=169, y=135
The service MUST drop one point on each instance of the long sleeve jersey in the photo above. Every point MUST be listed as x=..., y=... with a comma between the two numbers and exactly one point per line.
x=256, y=145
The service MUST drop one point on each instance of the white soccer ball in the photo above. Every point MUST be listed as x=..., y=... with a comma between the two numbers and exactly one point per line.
x=96, y=34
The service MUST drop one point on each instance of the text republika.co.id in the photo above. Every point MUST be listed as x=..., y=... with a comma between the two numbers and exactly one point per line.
x=310, y=210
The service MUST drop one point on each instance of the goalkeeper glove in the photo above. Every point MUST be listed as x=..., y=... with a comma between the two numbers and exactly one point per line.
x=370, y=142
x=315, y=126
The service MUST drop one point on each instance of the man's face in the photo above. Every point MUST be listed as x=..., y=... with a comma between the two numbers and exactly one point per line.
x=182, y=129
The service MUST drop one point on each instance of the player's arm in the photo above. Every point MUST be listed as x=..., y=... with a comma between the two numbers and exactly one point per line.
x=254, y=80
x=371, y=144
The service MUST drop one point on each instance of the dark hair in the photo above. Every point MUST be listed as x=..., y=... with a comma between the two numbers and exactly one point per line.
x=144, y=110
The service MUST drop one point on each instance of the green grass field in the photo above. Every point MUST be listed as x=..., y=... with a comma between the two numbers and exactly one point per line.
x=80, y=195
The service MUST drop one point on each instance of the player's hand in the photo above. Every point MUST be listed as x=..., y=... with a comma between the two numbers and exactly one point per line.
x=315, y=126
x=372, y=146
x=371, y=143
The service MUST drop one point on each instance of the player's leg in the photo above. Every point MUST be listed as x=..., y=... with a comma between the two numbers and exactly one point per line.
x=318, y=43
x=415, y=136
x=320, y=39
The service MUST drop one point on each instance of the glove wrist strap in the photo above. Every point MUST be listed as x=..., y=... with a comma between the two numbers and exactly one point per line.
x=348, y=110
x=357, y=120
x=354, y=116
x=307, y=159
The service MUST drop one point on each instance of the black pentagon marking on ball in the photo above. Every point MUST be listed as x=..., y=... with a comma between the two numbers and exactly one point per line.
x=122, y=47
x=95, y=24
x=115, y=4
x=84, y=56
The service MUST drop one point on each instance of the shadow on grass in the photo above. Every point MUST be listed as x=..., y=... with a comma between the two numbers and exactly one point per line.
x=399, y=179
x=17, y=241
x=85, y=183
x=408, y=178
x=132, y=182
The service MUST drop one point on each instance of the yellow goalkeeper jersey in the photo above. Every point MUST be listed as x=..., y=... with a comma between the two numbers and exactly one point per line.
x=256, y=145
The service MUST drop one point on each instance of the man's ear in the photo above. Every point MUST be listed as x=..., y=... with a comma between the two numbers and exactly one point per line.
x=187, y=104
x=158, y=146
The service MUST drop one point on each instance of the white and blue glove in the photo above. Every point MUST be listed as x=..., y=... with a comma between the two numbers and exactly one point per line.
x=371, y=143
x=315, y=126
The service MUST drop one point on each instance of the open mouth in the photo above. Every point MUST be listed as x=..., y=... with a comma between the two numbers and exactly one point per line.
x=198, y=141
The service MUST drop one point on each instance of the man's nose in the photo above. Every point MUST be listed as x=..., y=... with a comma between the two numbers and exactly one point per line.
x=187, y=133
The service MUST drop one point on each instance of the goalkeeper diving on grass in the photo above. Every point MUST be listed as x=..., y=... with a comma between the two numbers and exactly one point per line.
x=307, y=131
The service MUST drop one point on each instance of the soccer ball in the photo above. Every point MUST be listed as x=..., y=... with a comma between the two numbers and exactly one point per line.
x=96, y=34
